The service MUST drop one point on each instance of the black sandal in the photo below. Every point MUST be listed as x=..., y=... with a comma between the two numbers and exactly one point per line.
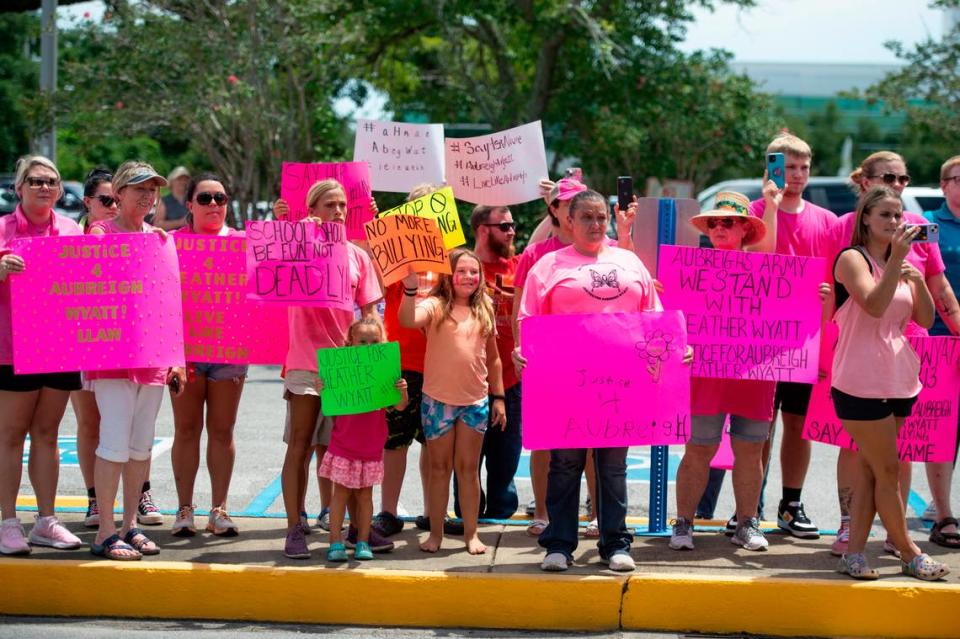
x=945, y=539
x=142, y=545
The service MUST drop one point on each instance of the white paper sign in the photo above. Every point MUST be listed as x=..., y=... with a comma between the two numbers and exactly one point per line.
x=400, y=155
x=498, y=169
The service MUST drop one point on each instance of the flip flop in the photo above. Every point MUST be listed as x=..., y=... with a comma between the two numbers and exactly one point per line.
x=145, y=545
x=945, y=539
x=536, y=528
x=110, y=547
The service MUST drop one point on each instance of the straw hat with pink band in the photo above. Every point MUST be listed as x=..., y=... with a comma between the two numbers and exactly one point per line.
x=733, y=206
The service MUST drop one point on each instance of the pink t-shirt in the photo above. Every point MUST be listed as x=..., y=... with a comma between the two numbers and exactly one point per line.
x=12, y=227
x=567, y=282
x=359, y=437
x=809, y=233
x=314, y=328
x=873, y=358
x=455, y=362
x=145, y=376
x=924, y=256
x=532, y=254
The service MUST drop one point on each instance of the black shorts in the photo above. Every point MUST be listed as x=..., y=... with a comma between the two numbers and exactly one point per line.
x=869, y=409
x=9, y=381
x=403, y=426
x=792, y=397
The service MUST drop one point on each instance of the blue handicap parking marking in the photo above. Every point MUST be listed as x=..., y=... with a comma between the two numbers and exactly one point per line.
x=70, y=458
x=638, y=467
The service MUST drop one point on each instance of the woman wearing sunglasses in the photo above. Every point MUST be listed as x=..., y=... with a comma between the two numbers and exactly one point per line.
x=886, y=168
x=30, y=404
x=214, y=386
x=747, y=403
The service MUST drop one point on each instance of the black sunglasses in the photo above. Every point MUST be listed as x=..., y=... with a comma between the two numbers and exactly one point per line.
x=890, y=178
x=219, y=197
x=38, y=183
x=107, y=200
x=506, y=227
x=725, y=222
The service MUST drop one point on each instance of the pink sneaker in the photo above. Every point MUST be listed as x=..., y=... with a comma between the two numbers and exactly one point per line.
x=839, y=547
x=48, y=531
x=12, y=539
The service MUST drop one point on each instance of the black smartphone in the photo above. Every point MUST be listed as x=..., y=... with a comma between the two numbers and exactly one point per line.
x=624, y=191
x=174, y=385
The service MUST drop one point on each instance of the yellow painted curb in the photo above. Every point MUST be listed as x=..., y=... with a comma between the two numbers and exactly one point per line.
x=61, y=501
x=183, y=590
x=790, y=607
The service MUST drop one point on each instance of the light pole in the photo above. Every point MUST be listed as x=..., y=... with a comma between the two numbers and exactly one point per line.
x=46, y=143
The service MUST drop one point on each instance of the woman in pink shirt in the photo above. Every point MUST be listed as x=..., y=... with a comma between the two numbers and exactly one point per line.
x=214, y=387
x=128, y=399
x=30, y=404
x=747, y=403
x=876, y=373
x=311, y=329
x=587, y=277
x=886, y=168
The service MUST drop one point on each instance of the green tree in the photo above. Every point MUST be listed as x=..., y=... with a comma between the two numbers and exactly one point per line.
x=927, y=87
x=19, y=77
x=248, y=84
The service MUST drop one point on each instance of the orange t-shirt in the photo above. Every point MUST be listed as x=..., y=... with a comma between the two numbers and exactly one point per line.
x=412, y=341
x=499, y=278
x=455, y=362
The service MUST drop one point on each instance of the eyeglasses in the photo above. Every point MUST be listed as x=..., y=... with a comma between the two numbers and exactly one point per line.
x=588, y=221
x=505, y=227
x=890, y=178
x=953, y=178
x=108, y=200
x=38, y=183
x=219, y=197
x=725, y=222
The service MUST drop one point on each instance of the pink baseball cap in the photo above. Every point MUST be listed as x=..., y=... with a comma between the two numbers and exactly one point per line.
x=565, y=189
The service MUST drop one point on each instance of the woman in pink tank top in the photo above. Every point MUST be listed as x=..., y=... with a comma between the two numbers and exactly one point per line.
x=876, y=372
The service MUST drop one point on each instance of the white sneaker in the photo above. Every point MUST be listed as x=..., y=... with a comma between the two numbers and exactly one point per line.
x=555, y=562
x=749, y=536
x=682, y=536
x=622, y=562
x=184, y=525
x=930, y=514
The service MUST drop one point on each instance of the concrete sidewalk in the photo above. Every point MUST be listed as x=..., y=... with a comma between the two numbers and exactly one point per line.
x=791, y=589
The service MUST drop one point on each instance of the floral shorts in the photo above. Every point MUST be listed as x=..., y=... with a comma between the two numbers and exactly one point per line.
x=438, y=418
x=351, y=473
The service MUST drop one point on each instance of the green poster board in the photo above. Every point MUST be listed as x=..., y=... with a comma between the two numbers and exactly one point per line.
x=359, y=379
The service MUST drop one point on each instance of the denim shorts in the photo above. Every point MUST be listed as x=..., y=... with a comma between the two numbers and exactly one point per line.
x=219, y=372
x=707, y=430
x=438, y=418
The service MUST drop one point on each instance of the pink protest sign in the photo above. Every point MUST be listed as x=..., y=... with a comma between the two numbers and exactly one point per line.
x=605, y=380
x=90, y=303
x=220, y=325
x=748, y=315
x=298, y=264
x=296, y=178
x=929, y=434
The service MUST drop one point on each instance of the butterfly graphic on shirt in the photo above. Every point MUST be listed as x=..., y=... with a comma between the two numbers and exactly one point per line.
x=604, y=281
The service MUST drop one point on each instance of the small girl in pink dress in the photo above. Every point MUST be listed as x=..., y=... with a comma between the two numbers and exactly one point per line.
x=354, y=458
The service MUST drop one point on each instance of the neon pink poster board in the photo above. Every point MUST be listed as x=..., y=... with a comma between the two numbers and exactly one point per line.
x=723, y=458
x=929, y=434
x=298, y=264
x=748, y=315
x=296, y=178
x=605, y=380
x=220, y=325
x=90, y=303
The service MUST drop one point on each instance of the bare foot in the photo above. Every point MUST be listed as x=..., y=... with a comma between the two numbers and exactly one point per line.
x=431, y=544
x=475, y=546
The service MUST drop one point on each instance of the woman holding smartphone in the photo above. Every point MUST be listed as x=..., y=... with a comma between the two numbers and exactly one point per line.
x=876, y=373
